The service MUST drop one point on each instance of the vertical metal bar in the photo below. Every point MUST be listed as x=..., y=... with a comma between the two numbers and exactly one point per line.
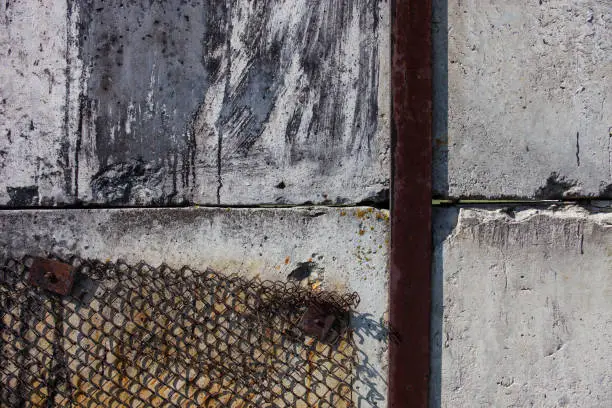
x=411, y=252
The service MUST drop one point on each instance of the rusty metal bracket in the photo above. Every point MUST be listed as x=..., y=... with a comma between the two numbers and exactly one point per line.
x=55, y=276
x=324, y=323
x=411, y=250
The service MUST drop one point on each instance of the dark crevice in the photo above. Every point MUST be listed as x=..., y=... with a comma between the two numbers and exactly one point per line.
x=86, y=206
x=578, y=148
x=583, y=201
x=381, y=205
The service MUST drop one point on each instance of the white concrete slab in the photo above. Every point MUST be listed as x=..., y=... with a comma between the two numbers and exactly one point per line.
x=522, y=312
x=348, y=249
x=527, y=85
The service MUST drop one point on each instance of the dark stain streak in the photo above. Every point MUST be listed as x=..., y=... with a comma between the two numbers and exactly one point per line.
x=8, y=135
x=79, y=140
x=247, y=107
x=84, y=108
x=578, y=148
x=325, y=28
x=174, y=173
x=65, y=144
x=3, y=154
x=147, y=79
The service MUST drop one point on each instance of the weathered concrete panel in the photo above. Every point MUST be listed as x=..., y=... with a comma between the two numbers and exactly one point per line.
x=233, y=102
x=35, y=143
x=527, y=87
x=338, y=249
x=521, y=311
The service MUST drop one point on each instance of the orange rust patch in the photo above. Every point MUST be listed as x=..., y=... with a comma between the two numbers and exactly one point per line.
x=287, y=259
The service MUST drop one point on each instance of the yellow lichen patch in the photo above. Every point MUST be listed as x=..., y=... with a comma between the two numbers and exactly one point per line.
x=361, y=213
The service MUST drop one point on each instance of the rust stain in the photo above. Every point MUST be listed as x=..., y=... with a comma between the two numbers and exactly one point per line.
x=58, y=277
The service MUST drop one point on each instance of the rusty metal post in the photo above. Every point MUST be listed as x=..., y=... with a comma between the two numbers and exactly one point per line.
x=411, y=252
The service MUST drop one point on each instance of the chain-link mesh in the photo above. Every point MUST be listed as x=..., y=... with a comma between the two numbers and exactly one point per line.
x=138, y=336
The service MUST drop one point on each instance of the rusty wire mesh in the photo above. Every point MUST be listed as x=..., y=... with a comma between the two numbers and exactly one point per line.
x=138, y=336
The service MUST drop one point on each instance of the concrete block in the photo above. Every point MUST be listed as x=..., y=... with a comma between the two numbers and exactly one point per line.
x=342, y=249
x=521, y=308
x=35, y=144
x=522, y=106
x=236, y=102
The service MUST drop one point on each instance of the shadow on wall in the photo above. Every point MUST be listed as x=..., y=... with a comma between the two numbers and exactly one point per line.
x=365, y=325
x=440, y=97
x=444, y=222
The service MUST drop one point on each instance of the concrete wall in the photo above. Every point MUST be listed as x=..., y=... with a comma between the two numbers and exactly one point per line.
x=234, y=102
x=523, y=105
x=521, y=312
x=240, y=102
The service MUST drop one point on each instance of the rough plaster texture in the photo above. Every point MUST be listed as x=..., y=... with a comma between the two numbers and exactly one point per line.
x=233, y=102
x=522, y=310
x=348, y=249
x=522, y=98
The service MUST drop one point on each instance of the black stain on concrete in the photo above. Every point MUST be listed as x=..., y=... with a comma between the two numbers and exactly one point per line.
x=578, y=148
x=325, y=26
x=64, y=149
x=302, y=271
x=134, y=181
x=606, y=192
x=22, y=196
x=555, y=188
x=3, y=155
x=149, y=65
